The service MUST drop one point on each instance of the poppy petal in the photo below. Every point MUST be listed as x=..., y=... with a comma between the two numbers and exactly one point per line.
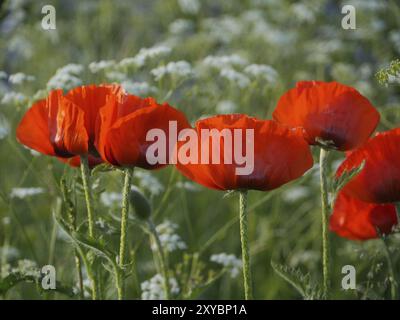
x=329, y=111
x=33, y=130
x=357, y=220
x=379, y=180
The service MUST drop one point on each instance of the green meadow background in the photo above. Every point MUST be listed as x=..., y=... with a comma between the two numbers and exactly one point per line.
x=296, y=40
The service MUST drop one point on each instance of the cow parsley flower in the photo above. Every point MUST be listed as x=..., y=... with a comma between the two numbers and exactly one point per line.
x=189, y=6
x=111, y=199
x=20, y=77
x=13, y=97
x=170, y=240
x=235, y=77
x=226, y=107
x=228, y=261
x=148, y=182
x=145, y=55
x=102, y=65
x=153, y=289
x=220, y=62
x=138, y=88
x=4, y=127
x=66, y=77
x=22, y=193
x=180, y=69
x=180, y=26
x=262, y=71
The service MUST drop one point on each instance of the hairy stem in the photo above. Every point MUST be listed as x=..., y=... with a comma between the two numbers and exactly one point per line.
x=248, y=286
x=88, y=193
x=85, y=171
x=162, y=259
x=393, y=282
x=124, y=228
x=323, y=163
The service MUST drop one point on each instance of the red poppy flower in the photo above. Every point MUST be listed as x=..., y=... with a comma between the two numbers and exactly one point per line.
x=357, y=220
x=329, y=111
x=64, y=125
x=379, y=180
x=280, y=154
x=123, y=126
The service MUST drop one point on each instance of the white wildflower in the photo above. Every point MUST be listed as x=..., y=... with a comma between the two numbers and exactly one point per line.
x=72, y=68
x=20, y=77
x=138, y=88
x=102, y=65
x=116, y=76
x=226, y=106
x=153, y=289
x=27, y=267
x=4, y=127
x=181, y=69
x=180, y=26
x=228, y=261
x=145, y=55
x=3, y=75
x=169, y=239
x=148, y=182
x=220, y=62
x=187, y=185
x=262, y=71
x=236, y=77
x=9, y=253
x=13, y=97
x=66, y=77
x=303, y=13
x=25, y=192
x=110, y=199
x=296, y=193
x=189, y=6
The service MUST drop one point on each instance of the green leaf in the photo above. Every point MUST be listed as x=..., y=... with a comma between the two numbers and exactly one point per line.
x=340, y=182
x=293, y=277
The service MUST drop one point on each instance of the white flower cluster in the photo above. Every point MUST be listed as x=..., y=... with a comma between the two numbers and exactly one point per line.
x=9, y=253
x=225, y=61
x=180, y=26
x=13, y=97
x=66, y=77
x=170, y=240
x=228, y=261
x=153, y=289
x=141, y=89
x=296, y=193
x=110, y=199
x=25, y=192
x=145, y=55
x=262, y=71
x=187, y=185
x=98, y=66
x=25, y=267
x=236, y=77
x=19, y=78
x=226, y=106
x=4, y=127
x=179, y=69
x=303, y=13
x=189, y=6
x=148, y=182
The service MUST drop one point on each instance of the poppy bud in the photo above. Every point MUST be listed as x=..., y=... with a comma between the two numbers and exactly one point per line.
x=140, y=204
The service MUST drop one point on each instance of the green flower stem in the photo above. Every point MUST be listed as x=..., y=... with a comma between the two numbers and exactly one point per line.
x=88, y=193
x=394, y=287
x=124, y=228
x=162, y=259
x=323, y=163
x=85, y=171
x=248, y=286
